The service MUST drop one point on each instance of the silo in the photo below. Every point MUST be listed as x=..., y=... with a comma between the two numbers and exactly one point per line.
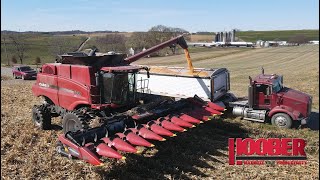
x=258, y=43
x=224, y=37
x=217, y=37
x=266, y=44
x=233, y=37
x=227, y=37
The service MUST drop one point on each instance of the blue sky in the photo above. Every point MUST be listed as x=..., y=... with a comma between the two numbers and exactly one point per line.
x=141, y=15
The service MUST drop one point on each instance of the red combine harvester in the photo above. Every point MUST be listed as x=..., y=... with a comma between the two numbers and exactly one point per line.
x=104, y=112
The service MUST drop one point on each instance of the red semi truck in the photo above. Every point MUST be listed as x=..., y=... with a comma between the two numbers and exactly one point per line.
x=268, y=99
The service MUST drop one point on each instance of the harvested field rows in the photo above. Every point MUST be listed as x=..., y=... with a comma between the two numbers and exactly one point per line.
x=199, y=153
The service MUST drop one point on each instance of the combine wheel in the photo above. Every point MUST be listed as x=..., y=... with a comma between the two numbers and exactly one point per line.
x=73, y=121
x=281, y=120
x=41, y=117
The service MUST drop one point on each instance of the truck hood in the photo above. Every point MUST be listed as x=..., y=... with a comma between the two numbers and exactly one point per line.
x=288, y=93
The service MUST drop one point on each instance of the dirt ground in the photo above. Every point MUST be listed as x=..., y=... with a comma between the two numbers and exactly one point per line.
x=199, y=153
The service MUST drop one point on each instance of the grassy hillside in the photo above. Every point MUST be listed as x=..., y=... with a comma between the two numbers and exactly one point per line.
x=44, y=46
x=253, y=36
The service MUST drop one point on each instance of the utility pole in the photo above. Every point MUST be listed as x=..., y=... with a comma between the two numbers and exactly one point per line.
x=5, y=49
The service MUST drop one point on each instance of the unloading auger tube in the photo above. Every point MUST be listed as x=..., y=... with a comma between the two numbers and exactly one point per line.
x=177, y=40
x=95, y=145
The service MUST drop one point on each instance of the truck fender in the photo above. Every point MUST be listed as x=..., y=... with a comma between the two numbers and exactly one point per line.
x=77, y=103
x=284, y=109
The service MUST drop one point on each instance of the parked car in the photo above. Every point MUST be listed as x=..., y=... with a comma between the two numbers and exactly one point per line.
x=24, y=72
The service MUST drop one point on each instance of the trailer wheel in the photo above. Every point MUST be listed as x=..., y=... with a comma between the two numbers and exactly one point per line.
x=73, y=121
x=41, y=117
x=282, y=120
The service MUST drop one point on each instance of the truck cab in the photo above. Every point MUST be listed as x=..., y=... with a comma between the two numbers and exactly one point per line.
x=269, y=99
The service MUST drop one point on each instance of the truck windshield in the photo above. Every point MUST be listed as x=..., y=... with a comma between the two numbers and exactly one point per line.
x=118, y=88
x=277, y=85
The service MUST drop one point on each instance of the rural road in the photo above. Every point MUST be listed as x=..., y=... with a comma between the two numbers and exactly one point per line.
x=6, y=71
x=84, y=42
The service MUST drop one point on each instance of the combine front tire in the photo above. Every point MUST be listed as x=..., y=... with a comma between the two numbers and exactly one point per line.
x=73, y=121
x=41, y=117
x=282, y=120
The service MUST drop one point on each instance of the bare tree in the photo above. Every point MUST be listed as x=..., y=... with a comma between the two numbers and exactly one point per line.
x=19, y=44
x=62, y=44
x=138, y=41
x=112, y=42
x=14, y=60
x=160, y=33
x=59, y=45
x=37, y=61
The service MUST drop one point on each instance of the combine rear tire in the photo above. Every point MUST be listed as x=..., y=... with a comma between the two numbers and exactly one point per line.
x=282, y=120
x=73, y=121
x=41, y=117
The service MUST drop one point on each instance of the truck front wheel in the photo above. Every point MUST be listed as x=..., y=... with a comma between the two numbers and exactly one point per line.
x=282, y=120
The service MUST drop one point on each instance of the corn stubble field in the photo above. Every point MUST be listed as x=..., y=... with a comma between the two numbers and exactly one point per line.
x=199, y=153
